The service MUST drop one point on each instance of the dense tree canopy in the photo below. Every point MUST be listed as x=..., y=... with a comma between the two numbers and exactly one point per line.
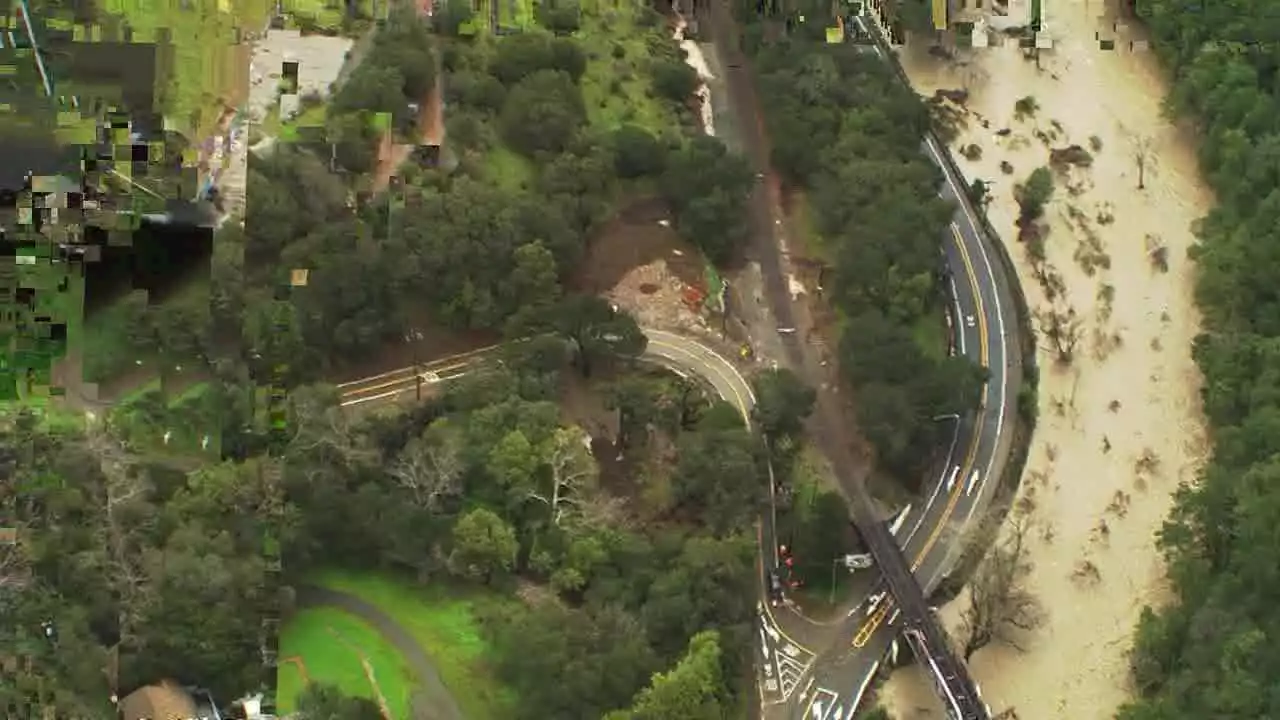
x=690, y=691
x=1208, y=654
x=846, y=132
x=472, y=248
x=155, y=557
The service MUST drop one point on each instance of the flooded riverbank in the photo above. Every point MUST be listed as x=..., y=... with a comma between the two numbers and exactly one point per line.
x=1111, y=288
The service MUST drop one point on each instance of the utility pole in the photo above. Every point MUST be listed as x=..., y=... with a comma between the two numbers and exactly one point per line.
x=413, y=337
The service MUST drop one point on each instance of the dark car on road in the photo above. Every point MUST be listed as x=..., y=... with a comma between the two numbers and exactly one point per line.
x=775, y=588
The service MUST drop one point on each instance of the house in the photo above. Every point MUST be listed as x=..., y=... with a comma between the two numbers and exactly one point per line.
x=165, y=700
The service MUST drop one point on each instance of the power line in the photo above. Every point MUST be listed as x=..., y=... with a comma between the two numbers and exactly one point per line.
x=35, y=48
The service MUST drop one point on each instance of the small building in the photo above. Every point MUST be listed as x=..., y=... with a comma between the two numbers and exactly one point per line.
x=165, y=700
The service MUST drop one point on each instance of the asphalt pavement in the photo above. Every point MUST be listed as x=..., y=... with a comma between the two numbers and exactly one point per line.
x=430, y=691
x=985, y=326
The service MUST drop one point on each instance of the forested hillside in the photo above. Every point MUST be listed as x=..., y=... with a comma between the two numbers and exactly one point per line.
x=1211, y=653
x=846, y=133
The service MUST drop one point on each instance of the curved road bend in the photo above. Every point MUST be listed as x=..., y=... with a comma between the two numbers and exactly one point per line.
x=784, y=658
x=430, y=692
x=853, y=652
x=986, y=327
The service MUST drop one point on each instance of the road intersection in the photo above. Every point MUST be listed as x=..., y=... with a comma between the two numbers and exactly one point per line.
x=968, y=480
x=783, y=660
x=825, y=677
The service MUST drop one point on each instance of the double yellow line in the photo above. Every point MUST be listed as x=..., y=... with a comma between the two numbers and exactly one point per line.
x=873, y=623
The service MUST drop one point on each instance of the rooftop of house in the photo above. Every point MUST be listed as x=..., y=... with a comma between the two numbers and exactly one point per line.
x=165, y=700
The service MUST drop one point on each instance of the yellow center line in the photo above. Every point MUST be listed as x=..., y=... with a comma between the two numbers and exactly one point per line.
x=983, y=358
x=873, y=623
x=869, y=627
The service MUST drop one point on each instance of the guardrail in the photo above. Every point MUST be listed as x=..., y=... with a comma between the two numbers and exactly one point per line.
x=1024, y=425
x=1006, y=261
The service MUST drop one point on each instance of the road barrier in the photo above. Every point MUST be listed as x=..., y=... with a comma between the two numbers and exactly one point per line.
x=1024, y=424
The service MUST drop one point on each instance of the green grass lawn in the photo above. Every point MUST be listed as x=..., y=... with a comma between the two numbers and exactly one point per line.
x=445, y=623
x=617, y=89
x=26, y=376
x=309, y=634
x=113, y=336
x=203, y=51
x=321, y=14
x=507, y=168
x=145, y=416
x=802, y=215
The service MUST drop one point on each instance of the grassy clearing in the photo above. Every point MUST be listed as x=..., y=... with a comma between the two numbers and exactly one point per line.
x=118, y=338
x=509, y=169
x=802, y=217
x=445, y=622
x=616, y=86
x=146, y=417
x=321, y=14
x=202, y=55
x=515, y=14
x=330, y=16
x=59, y=295
x=309, y=635
x=930, y=334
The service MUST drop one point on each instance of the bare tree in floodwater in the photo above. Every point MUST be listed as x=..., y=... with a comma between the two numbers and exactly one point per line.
x=1001, y=608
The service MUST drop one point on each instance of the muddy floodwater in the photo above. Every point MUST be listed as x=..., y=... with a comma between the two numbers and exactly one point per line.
x=1120, y=424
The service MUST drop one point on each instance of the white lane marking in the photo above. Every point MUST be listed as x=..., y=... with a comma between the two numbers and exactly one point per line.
x=862, y=689
x=410, y=370
x=959, y=331
x=408, y=387
x=773, y=634
x=968, y=487
x=951, y=478
x=898, y=521
x=824, y=701
x=790, y=670
x=955, y=435
x=805, y=692
x=986, y=261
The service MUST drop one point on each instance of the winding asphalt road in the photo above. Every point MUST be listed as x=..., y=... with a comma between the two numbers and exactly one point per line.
x=430, y=691
x=985, y=332
x=788, y=659
x=825, y=676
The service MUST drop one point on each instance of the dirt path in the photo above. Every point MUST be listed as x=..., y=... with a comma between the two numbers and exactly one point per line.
x=430, y=691
x=302, y=668
x=1120, y=424
x=369, y=675
x=430, y=122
